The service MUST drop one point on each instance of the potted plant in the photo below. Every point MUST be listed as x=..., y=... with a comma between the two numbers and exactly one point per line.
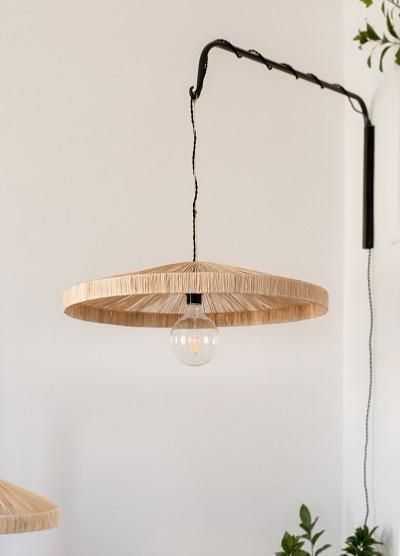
x=308, y=543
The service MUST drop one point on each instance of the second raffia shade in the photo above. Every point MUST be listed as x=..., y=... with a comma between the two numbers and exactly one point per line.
x=232, y=296
x=22, y=511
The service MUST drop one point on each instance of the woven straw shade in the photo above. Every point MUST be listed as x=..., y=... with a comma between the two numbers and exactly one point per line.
x=231, y=296
x=22, y=511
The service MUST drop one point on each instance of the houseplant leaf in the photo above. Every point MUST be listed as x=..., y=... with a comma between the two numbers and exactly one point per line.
x=305, y=517
x=390, y=26
x=372, y=34
x=382, y=56
x=322, y=549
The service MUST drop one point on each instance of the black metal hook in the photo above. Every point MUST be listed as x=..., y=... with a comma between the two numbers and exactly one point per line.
x=353, y=98
x=192, y=93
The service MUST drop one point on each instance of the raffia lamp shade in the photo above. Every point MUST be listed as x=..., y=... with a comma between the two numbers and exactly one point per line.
x=231, y=296
x=22, y=511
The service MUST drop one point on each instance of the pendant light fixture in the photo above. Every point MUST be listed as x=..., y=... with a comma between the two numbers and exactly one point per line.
x=22, y=511
x=193, y=298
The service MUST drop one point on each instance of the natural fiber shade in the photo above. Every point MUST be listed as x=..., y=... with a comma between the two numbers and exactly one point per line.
x=231, y=296
x=22, y=511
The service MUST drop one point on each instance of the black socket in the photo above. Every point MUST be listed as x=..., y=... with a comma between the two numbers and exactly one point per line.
x=193, y=298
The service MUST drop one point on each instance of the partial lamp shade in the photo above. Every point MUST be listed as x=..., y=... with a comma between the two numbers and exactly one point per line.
x=22, y=511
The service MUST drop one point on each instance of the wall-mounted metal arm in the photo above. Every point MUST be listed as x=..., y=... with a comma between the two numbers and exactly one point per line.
x=369, y=135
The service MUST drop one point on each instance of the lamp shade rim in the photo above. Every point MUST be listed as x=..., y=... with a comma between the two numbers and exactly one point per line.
x=232, y=296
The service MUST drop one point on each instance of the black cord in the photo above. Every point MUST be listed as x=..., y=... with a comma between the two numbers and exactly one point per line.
x=317, y=80
x=264, y=60
x=346, y=92
x=196, y=187
x=231, y=46
x=291, y=69
x=370, y=386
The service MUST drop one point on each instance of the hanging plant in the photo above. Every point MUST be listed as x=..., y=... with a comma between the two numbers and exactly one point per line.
x=382, y=42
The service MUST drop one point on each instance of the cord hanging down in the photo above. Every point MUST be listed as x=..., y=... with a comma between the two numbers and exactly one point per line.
x=196, y=187
x=370, y=385
x=368, y=191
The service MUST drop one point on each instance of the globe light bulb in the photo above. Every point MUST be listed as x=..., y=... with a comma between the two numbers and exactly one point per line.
x=194, y=336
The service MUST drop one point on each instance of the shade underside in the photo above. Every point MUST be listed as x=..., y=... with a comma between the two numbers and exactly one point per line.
x=22, y=511
x=232, y=296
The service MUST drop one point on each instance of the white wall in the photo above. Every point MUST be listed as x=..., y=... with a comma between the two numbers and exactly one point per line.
x=382, y=92
x=145, y=456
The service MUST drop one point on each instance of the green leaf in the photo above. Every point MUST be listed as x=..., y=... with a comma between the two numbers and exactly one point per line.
x=372, y=34
x=397, y=57
x=362, y=37
x=314, y=522
x=307, y=529
x=368, y=3
x=373, y=530
x=305, y=516
x=383, y=54
x=390, y=27
x=287, y=543
x=322, y=549
x=369, y=61
x=350, y=550
x=315, y=538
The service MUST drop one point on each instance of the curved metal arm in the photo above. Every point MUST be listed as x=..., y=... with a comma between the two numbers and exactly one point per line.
x=369, y=130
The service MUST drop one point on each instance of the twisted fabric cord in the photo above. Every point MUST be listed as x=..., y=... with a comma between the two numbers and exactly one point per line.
x=370, y=387
x=196, y=187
